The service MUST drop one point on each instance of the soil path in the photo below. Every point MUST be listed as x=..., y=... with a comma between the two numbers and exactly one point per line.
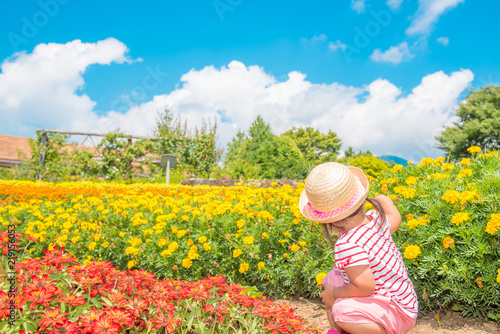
x=314, y=313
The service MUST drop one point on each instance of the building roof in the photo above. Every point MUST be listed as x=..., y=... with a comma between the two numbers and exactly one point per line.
x=12, y=150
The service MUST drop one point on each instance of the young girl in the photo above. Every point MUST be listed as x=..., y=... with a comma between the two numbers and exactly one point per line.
x=369, y=290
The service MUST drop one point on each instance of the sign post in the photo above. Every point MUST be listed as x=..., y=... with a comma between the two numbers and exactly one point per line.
x=168, y=161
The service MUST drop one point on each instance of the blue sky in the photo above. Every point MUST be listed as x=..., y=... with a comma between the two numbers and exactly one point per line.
x=357, y=66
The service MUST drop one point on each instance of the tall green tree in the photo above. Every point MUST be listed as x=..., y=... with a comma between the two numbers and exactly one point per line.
x=261, y=154
x=315, y=146
x=195, y=148
x=478, y=124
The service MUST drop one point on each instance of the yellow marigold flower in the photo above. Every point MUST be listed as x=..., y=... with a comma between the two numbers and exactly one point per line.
x=439, y=160
x=396, y=168
x=459, y=217
x=282, y=241
x=185, y=218
x=412, y=251
x=192, y=255
x=162, y=242
x=131, y=250
x=465, y=162
x=469, y=196
x=447, y=166
x=264, y=235
x=244, y=267
x=75, y=239
x=464, y=173
x=409, y=216
x=498, y=275
x=448, y=242
x=474, y=149
x=493, y=224
x=302, y=243
x=105, y=244
x=206, y=246
x=411, y=180
x=426, y=161
x=297, y=221
x=92, y=246
x=121, y=234
x=248, y=240
x=135, y=241
x=286, y=233
x=384, y=189
x=202, y=240
x=181, y=233
x=295, y=248
x=174, y=229
x=240, y=223
x=190, y=242
x=173, y=246
x=412, y=223
x=260, y=265
x=319, y=278
x=187, y=263
x=166, y=252
x=451, y=196
x=131, y=264
x=286, y=256
x=237, y=252
x=405, y=192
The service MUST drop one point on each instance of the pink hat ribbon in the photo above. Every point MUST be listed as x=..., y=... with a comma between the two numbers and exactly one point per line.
x=333, y=213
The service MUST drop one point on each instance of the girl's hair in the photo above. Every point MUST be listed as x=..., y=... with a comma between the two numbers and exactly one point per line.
x=326, y=227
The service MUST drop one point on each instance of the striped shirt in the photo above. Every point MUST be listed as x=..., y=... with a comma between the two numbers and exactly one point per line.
x=371, y=244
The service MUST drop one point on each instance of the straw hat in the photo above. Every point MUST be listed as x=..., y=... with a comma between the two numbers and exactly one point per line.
x=332, y=192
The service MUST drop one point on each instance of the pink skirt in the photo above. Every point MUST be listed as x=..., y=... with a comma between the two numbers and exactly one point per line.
x=372, y=309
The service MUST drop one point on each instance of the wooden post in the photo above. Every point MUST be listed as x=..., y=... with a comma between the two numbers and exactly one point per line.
x=42, y=152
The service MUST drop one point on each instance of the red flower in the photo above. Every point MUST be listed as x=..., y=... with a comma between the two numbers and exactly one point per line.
x=67, y=327
x=57, y=257
x=40, y=282
x=88, y=320
x=51, y=318
x=73, y=300
x=166, y=320
x=39, y=296
x=217, y=309
x=105, y=326
x=136, y=305
x=121, y=316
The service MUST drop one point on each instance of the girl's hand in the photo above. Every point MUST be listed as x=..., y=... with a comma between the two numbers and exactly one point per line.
x=327, y=295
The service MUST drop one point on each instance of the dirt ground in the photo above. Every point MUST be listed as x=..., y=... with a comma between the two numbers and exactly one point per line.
x=314, y=313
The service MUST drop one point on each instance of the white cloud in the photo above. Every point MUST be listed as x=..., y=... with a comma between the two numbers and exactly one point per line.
x=443, y=40
x=395, y=54
x=376, y=117
x=359, y=6
x=394, y=4
x=428, y=13
x=316, y=38
x=334, y=46
x=38, y=90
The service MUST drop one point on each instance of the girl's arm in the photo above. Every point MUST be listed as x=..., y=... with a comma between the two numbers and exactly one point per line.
x=390, y=211
x=362, y=283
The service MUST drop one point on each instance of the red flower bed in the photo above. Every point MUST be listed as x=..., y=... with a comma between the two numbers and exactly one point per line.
x=55, y=294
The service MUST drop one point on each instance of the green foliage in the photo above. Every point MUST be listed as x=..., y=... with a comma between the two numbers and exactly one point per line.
x=315, y=146
x=370, y=164
x=478, y=125
x=55, y=164
x=196, y=151
x=460, y=273
x=260, y=154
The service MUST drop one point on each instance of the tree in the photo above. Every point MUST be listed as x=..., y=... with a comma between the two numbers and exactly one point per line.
x=315, y=146
x=196, y=150
x=478, y=124
x=369, y=163
x=261, y=154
